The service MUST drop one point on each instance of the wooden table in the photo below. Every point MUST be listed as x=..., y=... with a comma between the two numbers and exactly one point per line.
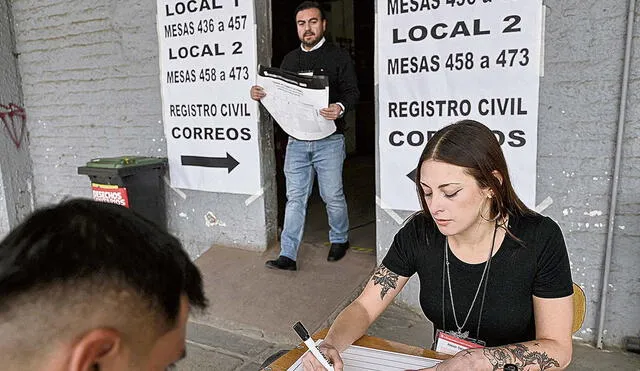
x=283, y=363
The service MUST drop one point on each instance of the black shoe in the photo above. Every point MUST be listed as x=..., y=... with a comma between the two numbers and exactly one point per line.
x=281, y=263
x=337, y=251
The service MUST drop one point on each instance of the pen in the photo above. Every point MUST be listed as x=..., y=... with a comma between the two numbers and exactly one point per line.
x=308, y=341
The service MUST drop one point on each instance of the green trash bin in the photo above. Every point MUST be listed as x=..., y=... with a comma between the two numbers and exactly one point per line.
x=131, y=181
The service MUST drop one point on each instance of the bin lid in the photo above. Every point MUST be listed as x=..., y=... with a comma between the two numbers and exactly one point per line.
x=124, y=162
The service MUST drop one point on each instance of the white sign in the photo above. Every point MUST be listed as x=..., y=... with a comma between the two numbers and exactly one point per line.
x=441, y=61
x=207, y=67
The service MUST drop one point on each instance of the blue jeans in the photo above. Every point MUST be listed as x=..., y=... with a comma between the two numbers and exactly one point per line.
x=302, y=161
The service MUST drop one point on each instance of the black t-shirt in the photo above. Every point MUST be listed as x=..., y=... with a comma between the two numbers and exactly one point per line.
x=538, y=265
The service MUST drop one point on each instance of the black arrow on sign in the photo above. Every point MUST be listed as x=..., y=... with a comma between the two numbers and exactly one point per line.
x=412, y=175
x=229, y=162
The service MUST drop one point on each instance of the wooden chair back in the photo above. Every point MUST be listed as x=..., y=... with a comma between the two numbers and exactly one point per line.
x=579, y=307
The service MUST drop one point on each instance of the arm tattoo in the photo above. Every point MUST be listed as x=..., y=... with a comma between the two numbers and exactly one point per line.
x=385, y=278
x=519, y=355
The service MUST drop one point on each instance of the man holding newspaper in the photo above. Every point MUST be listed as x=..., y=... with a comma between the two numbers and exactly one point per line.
x=325, y=156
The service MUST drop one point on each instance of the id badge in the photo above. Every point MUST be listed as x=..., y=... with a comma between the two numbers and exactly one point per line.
x=448, y=343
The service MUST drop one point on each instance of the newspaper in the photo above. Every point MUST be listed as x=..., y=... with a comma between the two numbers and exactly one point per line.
x=295, y=100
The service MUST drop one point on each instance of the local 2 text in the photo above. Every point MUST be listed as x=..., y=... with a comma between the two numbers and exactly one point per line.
x=461, y=28
x=205, y=50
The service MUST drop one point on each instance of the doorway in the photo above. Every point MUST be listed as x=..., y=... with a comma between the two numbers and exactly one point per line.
x=350, y=25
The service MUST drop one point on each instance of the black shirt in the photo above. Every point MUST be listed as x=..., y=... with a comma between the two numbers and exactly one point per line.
x=538, y=265
x=333, y=62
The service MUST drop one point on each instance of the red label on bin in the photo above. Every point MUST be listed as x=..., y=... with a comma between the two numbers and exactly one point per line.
x=111, y=194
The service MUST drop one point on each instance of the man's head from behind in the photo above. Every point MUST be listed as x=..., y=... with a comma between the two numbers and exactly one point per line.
x=92, y=286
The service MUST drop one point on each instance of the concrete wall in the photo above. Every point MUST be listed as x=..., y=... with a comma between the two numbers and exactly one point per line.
x=579, y=110
x=16, y=184
x=91, y=89
x=91, y=83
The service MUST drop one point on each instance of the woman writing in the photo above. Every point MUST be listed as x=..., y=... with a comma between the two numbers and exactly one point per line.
x=491, y=270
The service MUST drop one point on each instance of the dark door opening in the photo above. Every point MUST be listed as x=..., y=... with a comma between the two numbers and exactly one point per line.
x=351, y=26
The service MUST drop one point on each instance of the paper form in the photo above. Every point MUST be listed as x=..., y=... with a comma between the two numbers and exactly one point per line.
x=295, y=101
x=357, y=358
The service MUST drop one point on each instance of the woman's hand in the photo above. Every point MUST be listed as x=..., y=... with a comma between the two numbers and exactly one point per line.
x=356, y=318
x=310, y=363
x=463, y=360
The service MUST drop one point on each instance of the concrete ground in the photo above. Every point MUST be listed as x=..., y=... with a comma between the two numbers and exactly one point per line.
x=253, y=308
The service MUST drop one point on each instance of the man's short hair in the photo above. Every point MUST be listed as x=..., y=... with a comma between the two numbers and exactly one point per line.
x=310, y=5
x=83, y=263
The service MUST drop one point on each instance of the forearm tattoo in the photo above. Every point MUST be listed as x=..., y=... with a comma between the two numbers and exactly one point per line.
x=519, y=355
x=385, y=278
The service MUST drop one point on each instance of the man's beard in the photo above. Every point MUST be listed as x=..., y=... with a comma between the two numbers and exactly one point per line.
x=313, y=42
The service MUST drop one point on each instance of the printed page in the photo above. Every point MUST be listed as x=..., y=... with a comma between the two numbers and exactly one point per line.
x=294, y=101
x=357, y=358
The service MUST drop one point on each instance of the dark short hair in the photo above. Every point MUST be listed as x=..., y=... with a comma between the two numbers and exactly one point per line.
x=79, y=241
x=310, y=5
x=473, y=146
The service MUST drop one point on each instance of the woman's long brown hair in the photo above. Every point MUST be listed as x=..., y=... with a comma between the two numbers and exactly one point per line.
x=471, y=145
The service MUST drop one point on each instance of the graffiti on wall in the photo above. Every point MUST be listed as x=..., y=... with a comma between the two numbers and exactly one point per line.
x=14, y=119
